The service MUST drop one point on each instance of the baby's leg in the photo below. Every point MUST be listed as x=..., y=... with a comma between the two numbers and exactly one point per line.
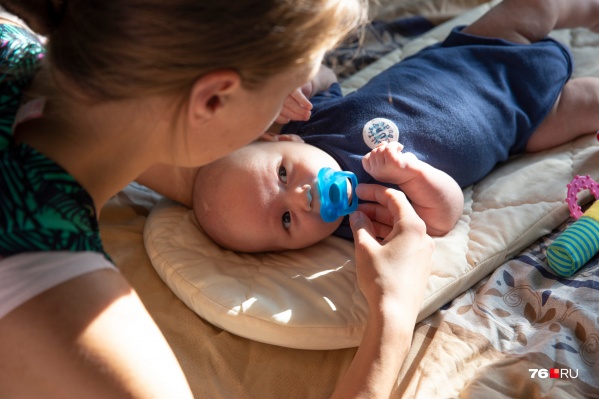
x=526, y=21
x=576, y=112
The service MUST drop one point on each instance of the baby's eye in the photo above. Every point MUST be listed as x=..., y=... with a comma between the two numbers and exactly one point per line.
x=283, y=174
x=286, y=220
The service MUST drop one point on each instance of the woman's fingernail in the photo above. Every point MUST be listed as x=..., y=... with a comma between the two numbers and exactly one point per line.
x=355, y=217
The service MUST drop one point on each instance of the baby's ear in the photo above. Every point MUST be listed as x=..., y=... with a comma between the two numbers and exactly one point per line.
x=280, y=137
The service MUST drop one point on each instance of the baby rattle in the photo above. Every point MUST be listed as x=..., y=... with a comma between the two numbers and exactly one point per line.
x=579, y=242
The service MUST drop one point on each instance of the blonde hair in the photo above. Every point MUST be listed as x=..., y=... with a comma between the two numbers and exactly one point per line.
x=123, y=49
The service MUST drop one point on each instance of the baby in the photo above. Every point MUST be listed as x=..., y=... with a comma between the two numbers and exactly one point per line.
x=264, y=197
x=458, y=108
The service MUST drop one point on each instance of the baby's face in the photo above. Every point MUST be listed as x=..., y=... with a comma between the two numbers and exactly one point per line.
x=264, y=197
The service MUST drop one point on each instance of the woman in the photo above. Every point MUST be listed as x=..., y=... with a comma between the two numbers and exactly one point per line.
x=121, y=86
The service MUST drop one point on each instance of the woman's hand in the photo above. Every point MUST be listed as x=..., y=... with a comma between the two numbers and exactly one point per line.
x=398, y=266
x=392, y=275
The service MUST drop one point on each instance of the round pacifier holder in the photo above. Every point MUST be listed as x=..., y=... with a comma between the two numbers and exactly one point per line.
x=333, y=189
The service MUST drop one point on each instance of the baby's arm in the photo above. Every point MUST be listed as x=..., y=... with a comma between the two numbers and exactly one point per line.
x=436, y=197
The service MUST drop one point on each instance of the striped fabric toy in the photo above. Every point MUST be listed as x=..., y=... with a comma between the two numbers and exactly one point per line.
x=579, y=242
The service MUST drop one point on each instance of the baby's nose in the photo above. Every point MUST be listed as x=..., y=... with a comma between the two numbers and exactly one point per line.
x=302, y=196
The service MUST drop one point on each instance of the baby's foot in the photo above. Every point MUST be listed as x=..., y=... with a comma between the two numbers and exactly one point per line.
x=387, y=164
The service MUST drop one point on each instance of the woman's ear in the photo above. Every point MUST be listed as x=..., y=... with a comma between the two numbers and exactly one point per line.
x=280, y=137
x=209, y=94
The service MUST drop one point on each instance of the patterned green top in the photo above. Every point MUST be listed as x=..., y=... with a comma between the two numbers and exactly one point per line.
x=42, y=207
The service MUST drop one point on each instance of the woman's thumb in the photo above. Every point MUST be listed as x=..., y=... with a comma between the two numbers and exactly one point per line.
x=362, y=228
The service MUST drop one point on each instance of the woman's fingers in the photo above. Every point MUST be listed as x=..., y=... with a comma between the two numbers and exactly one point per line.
x=377, y=213
x=363, y=230
x=388, y=207
x=393, y=200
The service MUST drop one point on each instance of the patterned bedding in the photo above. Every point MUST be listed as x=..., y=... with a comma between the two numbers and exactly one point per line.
x=521, y=332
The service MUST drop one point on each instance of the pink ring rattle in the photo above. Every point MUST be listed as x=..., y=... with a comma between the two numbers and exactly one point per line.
x=578, y=184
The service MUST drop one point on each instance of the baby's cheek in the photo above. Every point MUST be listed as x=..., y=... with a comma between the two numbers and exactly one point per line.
x=324, y=229
x=331, y=227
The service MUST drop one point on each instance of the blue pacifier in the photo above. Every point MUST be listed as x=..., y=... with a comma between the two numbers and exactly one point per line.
x=332, y=188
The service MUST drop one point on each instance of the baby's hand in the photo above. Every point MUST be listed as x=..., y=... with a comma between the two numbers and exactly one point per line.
x=387, y=164
x=296, y=107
